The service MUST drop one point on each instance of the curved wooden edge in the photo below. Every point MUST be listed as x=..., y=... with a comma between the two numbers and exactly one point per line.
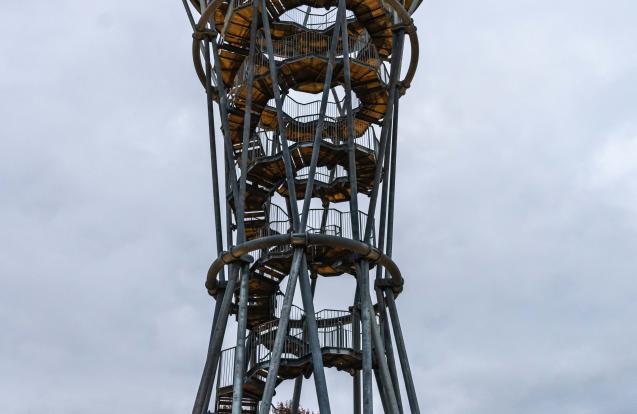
x=302, y=240
x=406, y=20
x=410, y=29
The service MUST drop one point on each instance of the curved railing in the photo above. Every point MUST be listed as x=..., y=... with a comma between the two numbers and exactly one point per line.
x=304, y=16
x=267, y=144
x=311, y=18
x=308, y=43
x=334, y=332
x=319, y=221
x=331, y=222
x=316, y=43
x=296, y=109
x=323, y=174
x=394, y=6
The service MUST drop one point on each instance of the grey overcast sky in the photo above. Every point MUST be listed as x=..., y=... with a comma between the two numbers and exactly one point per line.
x=516, y=211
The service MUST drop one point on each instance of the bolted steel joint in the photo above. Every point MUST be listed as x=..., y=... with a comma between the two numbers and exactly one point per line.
x=204, y=34
x=298, y=239
x=384, y=284
x=225, y=255
x=246, y=258
x=408, y=27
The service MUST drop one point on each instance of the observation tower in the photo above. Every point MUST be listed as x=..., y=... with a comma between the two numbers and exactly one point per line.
x=307, y=94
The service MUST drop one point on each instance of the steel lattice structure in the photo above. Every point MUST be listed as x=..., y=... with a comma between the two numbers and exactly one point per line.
x=281, y=156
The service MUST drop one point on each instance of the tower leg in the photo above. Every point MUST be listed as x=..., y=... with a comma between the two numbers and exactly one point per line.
x=356, y=343
x=287, y=159
x=351, y=156
x=240, y=198
x=389, y=349
x=363, y=283
x=381, y=391
x=298, y=382
x=214, y=322
x=281, y=333
x=296, y=397
x=315, y=346
x=379, y=348
x=240, y=349
x=385, y=331
x=208, y=376
x=402, y=354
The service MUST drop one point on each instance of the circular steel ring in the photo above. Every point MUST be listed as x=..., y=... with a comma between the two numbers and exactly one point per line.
x=405, y=18
x=363, y=249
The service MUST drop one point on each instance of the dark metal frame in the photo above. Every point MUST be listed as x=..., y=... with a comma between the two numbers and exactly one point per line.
x=374, y=323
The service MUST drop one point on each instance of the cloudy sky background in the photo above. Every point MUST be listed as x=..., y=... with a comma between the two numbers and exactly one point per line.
x=516, y=210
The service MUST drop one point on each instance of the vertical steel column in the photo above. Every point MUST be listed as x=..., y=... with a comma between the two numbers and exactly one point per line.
x=296, y=394
x=189, y=14
x=385, y=331
x=308, y=303
x=213, y=157
x=389, y=349
x=315, y=347
x=217, y=385
x=387, y=124
x=298, y=382
x=381, y=300
x=215, y=185
x=363, y=277
x=215, y=318
x=281, y=333
x=363, y=286
x=351, y=155
x=392, y=182
x=326, y=204
x=287, y=158
x=356, y=343
x=239, y=354
x=298, y=259
x=389, y=294
x=229, y=238
x=221, y=91
x=397, y=52
x=202, y=399
x=247, y=120
x=318, y=137
x=231, y=178
x=208, y=376
x=378, y=343
x=381, y=391
x=402, y=353
x=240, y=349
x=275, y=357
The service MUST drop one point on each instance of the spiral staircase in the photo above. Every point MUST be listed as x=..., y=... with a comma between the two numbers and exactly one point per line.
x=302, y=33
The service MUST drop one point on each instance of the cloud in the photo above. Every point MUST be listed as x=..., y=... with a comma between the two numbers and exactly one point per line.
x=515, y=214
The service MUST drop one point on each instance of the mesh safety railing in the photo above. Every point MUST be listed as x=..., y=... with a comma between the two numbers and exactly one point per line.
x=361, y=50
x=267, y=144
x=329, y=221
x=294, y=109
x=334, y=332
x=312, y=18
x=319, y=221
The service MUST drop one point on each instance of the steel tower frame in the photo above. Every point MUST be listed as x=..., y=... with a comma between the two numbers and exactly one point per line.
x=253, y=57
